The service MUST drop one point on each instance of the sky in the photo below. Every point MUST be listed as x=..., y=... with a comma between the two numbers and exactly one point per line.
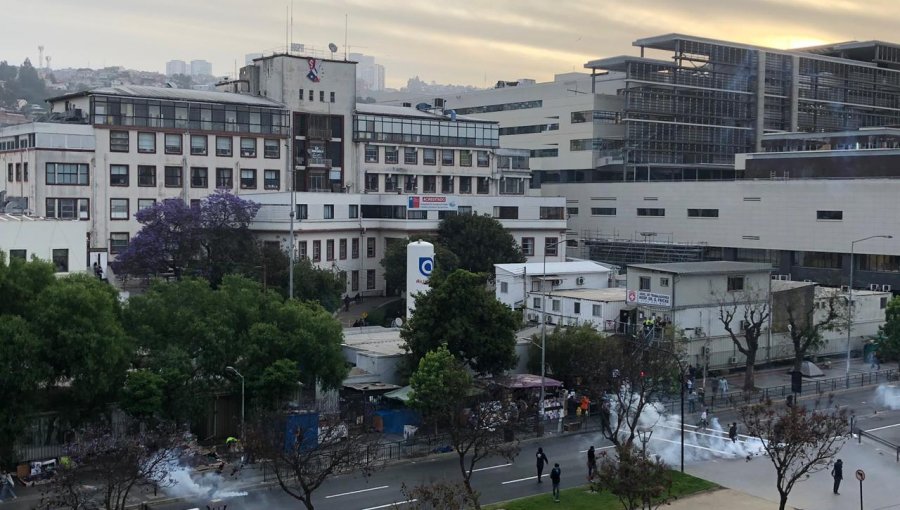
x=466, y=42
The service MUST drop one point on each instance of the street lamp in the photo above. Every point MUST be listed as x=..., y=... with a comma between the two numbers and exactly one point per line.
x=850, y=292
x=235, y=372
x=544, y=339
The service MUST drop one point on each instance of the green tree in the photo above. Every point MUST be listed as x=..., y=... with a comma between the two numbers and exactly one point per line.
x=22, y=372
x=394, y=263
x=439, y=385
x=572, y=354
x=20, y=283
x=30, y=86
x=888, y=339
x=311, y=283
x=479, y=242
x=461, y=313
x=142, y=395
x=638, y=480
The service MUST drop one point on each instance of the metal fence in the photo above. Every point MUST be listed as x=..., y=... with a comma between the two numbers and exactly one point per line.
x=884, y=442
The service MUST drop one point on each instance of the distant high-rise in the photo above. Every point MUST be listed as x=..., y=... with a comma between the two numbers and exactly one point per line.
x=248, y=58
x=367, y=71
x=176, y=67
x=201, y=68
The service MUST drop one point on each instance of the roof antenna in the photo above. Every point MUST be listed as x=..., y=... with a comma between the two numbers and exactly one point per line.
x=345, y=36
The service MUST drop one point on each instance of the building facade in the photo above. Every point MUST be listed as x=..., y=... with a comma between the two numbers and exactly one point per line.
x=58, y=241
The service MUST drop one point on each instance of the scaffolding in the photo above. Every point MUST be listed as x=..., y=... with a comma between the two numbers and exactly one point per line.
x=623, y=251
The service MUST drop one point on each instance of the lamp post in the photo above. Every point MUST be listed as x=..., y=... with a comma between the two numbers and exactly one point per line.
x=289, y=157
x=850, y=292
x=544, y=339
x=235, y=372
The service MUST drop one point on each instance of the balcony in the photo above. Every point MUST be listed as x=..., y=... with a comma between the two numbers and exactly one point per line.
x=318, y=163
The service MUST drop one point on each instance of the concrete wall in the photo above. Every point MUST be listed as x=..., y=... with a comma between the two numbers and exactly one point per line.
x=40, y=237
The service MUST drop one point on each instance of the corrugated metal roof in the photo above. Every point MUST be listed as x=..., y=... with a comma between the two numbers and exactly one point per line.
x=173, y=94
x=711, y=267
x=537, y=268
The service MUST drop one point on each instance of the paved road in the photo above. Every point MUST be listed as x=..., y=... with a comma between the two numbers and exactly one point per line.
x=708, y=454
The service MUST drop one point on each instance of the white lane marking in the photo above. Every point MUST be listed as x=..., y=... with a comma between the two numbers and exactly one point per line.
x=723, y=436
x=519, y=480
x=692, y=446
x=391, y=504
x=492, y=467
x=595, y=449
x=356, y=492
x=885, y=427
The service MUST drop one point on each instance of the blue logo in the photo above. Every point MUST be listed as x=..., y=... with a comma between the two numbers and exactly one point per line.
x=426, y=265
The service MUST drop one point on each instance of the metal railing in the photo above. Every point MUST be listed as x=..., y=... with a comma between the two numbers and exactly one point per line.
x=884, y=442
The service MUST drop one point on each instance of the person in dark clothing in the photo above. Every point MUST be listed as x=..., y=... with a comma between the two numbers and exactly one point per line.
x=542, y=459
x=592, y=462
x=347, y=303
x=554, y=477
x=732, y=432
x=838, y=473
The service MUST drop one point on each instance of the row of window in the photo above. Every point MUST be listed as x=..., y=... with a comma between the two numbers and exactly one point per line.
x=342, y=254
x=17, y=142
x=17, y=172
x=59, y=257
x=443, y=132
x=527, y=130
x=551, y=246
x=429, y=156
x=312, y=96
x=120, y=175
x=120, y=141
x=692, y=213
x=734, y=284
x=410, y=184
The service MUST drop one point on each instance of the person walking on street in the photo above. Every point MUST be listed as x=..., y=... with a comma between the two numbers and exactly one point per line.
x=703, y=420
x=554, y=477
x=838, y=473
x=6, y=486
x=732, y=432
x=592, y=463
x=542, y=459
x=692, y=402
x=723, y=386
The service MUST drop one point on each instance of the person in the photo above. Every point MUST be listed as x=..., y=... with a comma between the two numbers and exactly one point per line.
x=690, y=385
x=347, y=303
x=6, y=486
x=838, y=473
x=592, y=462
x=703, y=420
x=541, y=458
x=554, y=477
x=98, y=271
x=691, y=372
x=732, y=432
x=605, y=416
x=875, y=363
x=692, y=402
x=723, y=386
x=585, y=405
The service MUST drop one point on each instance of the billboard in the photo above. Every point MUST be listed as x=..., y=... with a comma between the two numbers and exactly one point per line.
x=643, y=297
x=431, y=202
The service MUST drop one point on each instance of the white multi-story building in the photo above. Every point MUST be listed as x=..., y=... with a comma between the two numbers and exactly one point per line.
x=174, y=67
x=368, y=73
x=201, y=68
x=514, y=282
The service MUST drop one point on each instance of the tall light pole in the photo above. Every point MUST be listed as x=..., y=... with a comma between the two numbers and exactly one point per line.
x=235, y=372
x=544, y=337
x=850, y=292
x=292, y=258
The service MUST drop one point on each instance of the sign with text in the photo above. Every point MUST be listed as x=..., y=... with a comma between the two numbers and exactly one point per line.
x=643, y=297
x=431, y=202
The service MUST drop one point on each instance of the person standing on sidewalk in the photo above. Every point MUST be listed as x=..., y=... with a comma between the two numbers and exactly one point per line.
x=554, y=477
x=592, y=463
x=838, y=473
x=723, y=386
x=541, y=459
x=732, y=432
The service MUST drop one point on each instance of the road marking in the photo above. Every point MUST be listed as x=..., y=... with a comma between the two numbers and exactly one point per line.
x=391, y=504
x=356, y=492
x=601, y=448
x=519, y=480
x=693, y=446
x=492, y=467
x=697, y=433
x=885, y=427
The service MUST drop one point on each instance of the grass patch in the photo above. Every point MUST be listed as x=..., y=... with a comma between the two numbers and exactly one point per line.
x=578, y=498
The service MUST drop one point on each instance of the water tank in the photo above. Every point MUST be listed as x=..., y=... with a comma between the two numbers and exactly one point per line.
x=419, y=265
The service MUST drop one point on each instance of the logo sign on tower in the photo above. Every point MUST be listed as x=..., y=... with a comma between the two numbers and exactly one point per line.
x=426, y=266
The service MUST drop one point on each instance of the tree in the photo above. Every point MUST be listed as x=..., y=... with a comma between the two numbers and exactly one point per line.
x=479, y=242
x=798, y=441
x=20, y=283
x=804, y=322
x=29, y=85
x=142, y=395
x=301, y=463
x=228, y=244
x=461, y=313
x=105, y=466
x=439, y=384
x=22, y=373
x=437, y=496
x=311, y=283
x=394, y=263
x=743, y=315
x=573, y=355
x=888, y=339
x=639, y=481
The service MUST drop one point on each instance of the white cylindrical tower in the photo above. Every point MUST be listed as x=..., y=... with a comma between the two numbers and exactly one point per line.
x=419, y=265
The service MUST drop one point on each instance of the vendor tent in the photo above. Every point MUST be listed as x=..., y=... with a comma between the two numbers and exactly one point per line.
x=522, y=381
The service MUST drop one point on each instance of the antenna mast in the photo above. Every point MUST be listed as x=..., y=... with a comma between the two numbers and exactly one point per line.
x=345, y=35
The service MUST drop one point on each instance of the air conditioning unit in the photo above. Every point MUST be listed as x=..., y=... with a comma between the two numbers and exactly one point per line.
x=732, y=360
x=874, y=286
x=698, y=332
x=533, y=317
x=556, y=283
x=886, y=288
x=548, y=319
x=845, y=288
x=745, y=325
x=579, y=280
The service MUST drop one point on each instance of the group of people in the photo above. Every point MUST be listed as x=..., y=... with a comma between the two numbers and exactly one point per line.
x=555, y=473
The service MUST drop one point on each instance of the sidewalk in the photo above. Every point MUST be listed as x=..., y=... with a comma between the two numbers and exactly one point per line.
x=722, y=498
x=348, y=317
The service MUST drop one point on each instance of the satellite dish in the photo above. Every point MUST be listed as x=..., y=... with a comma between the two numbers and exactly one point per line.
x=333, y=47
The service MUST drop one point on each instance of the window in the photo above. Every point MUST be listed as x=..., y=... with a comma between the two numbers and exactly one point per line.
x=354, y=280
x=271, y=149
x=272, y=179
x=61, y=260
x=484, y=159
x=528, y=246
x=465, y=158
x=370, y=247
x=371, y=154
x=248, y=147
x=572, y=211
x=199, y=177
x=144, y=203
x=447, y=184
x=9, y=172
x=118, y=141
x=504, y=287
x=223, y=146
x=224, y=178
x=67, y=173
x=551, y=246
x=642, y=211
x=302, y=212
x=429, y=184
x=173, y=143
x=596, y=310
x=576, y=307
x=819, y=259
x=830, y=215
x=321, y=96
x=603, y=211
x=118, y=241
x=146, y=175
x=23, y=255
x=25, y=171
x=417, y=215
x=301, y=94
x=199, y=145
x=67, y=208
x=317, y=251
x=118, y=209
x=703, y=213
x=371, y=182
x=342, y=249
x=410, y=156
x=248, y=178
x=644, y=283
x=465, y=185
x=147, y=143
x=483, y=185
x=735, y=283
x=370, y=279
x=412, y=183
x=329, y=249
x=354, y=248
x=506, y=212
x=536, y=303
x=328, y=211
x=884, y=263
x=429, y=156
x=552, y=213
x=391, y=155
x=555, y=305
x=312, y=95
x=663, y=282
x=195, y=203
x=118, y=175
x=353, y=211
x=882, y=304
x=447, y=157
x=301, y=249
x=173, y=176
x=391, y=183
x=331, y=97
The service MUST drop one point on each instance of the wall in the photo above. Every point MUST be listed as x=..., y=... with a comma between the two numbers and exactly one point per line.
x=40, y=237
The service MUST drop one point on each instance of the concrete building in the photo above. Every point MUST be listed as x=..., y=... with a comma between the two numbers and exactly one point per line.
x=174, y=67
x=515, y=282
x=201, y=68
x=62, y=242
x=368, y=74
x=599, y=308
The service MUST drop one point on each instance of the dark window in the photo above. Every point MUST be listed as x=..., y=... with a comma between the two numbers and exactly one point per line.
x=735, y=283
x=551, y=246
x=552, y=213
x=248, y=147
x=506, y=212
x=224, y=178
x=391, y=155
x=272, y=179
x=572, y=211
x=329, y=249
x=354, y=280
x=429, y=184
x=354, y=248
x=483, y=185
x=68, y=208
x=301, y=250
x=603, y=211
x=371, y=154
x=118, y=241
x=447, y=184
x=819, y=259
x=67, y=173
x=118, y=209
x=146, y=175
x=223, y=146
x=317, y=251
x=118, y=175
x=199, y=145
x=465, y=158
x=417, y=215
x=528, y=246
x=484, y=159
x=412, y=183
x=370, y=279
x=321, y=96
x=883, y=263
x=332, y=97
x=830, y=215
x=644, y=283
x=271, y=149
x=447, y=157
x=248, y=178
x=410, y=156
x=353, y=211
x=342, y=249
x=328, y=211
x=173, y=143
x=61, y=260
x=371, y=182
x=703, y=213
x=173, y=176
x=147, y=143
x=302, y=211
x=370, y=247
x=650, y=212
x=118, y=141
x=23, y=254
x=465, y=185
x=199, y=177
x=429, y=156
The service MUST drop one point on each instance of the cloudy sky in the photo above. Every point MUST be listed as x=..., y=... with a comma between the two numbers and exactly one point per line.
x=473, y=42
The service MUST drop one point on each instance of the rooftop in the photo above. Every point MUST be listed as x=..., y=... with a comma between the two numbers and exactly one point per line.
x=538, y=268
x=173, y=94
x=602, y=295
x=375, y=340
x=702, y=268
x=409, y=111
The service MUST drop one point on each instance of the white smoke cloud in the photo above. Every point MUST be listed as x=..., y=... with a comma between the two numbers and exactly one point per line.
x=888, y=395
x=211, y=485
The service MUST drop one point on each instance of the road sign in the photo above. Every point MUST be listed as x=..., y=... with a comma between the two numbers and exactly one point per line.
x=860, y=475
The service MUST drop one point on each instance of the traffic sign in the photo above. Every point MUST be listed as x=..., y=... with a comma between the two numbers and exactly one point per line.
x=860, y=475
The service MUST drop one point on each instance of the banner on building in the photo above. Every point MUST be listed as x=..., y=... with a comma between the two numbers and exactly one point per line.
x=431, y=202
x=643, y=297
